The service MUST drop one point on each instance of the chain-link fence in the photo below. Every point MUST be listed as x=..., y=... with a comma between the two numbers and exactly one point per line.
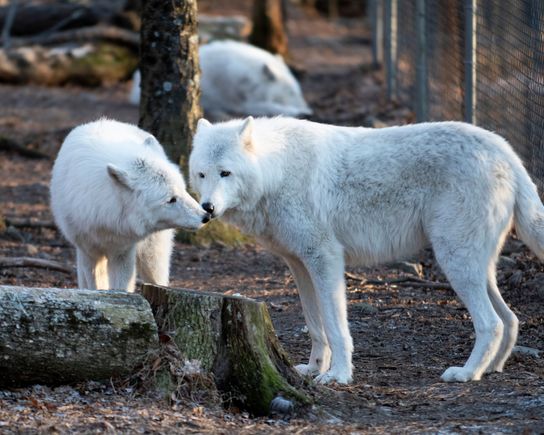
x=481, y=61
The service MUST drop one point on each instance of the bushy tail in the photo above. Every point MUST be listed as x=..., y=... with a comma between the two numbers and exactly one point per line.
x=529, y=213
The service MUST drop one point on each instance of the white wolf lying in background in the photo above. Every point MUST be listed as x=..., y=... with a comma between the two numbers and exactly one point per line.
x=241, y=79
x=321, y=195
x=115, y=196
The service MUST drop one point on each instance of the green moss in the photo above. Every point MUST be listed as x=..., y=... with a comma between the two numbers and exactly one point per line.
x=215, y=232
x=109, y=63
x=257, y=375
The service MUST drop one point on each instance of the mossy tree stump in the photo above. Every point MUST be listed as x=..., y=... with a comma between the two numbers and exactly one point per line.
x=233, y=338
x=56, y=336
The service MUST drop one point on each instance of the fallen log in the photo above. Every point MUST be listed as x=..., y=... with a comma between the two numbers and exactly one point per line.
x=230, y=337
x=55, y=336
x=88, y=64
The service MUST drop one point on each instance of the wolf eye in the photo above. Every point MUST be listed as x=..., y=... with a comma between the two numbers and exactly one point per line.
x=225, y=173
x=201, y=175
x=172, y=200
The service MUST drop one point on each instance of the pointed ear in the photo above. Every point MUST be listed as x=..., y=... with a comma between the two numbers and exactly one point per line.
x=151, y=141
x=120, y=176
x=246, y=133
x=203, y=123
x=269, y=73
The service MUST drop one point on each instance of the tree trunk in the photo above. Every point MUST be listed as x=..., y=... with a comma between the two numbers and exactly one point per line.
x=233, y=338
x=170, y=85
x=268, y=26
x=55, y=336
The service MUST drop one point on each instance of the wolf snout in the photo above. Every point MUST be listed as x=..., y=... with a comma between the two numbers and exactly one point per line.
x=209, y=207
x=207, y=217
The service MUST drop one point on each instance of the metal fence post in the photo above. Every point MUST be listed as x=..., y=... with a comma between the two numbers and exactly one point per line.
x=390, y=18
x=470, y=61
x=422, y=94
x=375, y=13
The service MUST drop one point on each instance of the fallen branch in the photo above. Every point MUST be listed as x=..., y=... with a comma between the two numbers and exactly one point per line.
x=86, y=34
x=7, y=262
x=407, y=281
x=29, y=223
x=10, y=145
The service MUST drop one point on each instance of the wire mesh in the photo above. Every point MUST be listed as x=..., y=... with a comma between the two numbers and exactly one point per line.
x=509, y=60
x=510, y=76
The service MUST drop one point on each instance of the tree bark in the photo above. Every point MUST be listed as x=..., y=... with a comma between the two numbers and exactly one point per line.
x=170, y=85
x=56, y=336
x=233, y=338
x=268, y=26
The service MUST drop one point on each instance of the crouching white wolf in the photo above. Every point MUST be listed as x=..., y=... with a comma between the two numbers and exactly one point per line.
x=240, y=79
x=321, y=196
x=115, y=196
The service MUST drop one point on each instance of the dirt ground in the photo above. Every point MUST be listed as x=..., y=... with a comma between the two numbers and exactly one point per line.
x=404, y=336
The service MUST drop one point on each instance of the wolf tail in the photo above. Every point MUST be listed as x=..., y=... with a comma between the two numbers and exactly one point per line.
x=529, y=213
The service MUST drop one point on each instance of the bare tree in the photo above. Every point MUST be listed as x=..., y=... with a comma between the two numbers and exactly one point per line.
x=268, y=26
x=170, y=92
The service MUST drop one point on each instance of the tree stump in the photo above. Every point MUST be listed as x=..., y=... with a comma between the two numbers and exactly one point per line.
x=55, y=336
x=233, y=338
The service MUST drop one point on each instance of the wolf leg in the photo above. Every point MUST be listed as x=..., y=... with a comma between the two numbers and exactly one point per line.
x=153, y=257
x=509, y=319
x=326, y=268
x=320, y=355
x=467, y=272
x=122, y=270
x=91, y=271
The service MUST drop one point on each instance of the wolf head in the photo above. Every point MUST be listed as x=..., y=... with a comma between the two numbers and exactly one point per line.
x=153, y=193
x=282, y=89
x=223, y=166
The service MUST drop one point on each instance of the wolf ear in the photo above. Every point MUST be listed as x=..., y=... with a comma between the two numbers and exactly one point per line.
x=269, y=73
x=203, y=123
x=246, y=133
x=119, y=176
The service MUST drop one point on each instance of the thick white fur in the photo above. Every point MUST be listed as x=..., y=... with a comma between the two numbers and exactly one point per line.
x=241, y=79
x=321, y=195
x=110, y=192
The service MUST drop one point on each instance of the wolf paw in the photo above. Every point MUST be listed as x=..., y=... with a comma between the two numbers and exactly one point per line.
x=307, y=369
x=458, y=374
x=331, y=376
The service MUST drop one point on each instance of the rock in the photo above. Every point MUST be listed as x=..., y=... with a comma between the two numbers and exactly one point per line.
x=524, y=350
x=512, y=246
x=507, y=264
x=516, y=278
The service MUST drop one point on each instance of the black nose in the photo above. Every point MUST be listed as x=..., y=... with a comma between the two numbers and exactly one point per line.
x=206, y=218
x=208, y=206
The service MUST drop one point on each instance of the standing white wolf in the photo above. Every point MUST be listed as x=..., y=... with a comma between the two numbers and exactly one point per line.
x=321, y=195
x=115, y=196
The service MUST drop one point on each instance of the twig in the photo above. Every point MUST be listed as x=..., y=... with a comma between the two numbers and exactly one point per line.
x=6, y=31
x=7, y=262
x=78, y=13
x=29, y=223
x=407, y=281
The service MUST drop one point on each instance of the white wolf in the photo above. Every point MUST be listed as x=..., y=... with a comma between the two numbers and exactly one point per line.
x=321, y=195
x=115, y=196
x=241, y=79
